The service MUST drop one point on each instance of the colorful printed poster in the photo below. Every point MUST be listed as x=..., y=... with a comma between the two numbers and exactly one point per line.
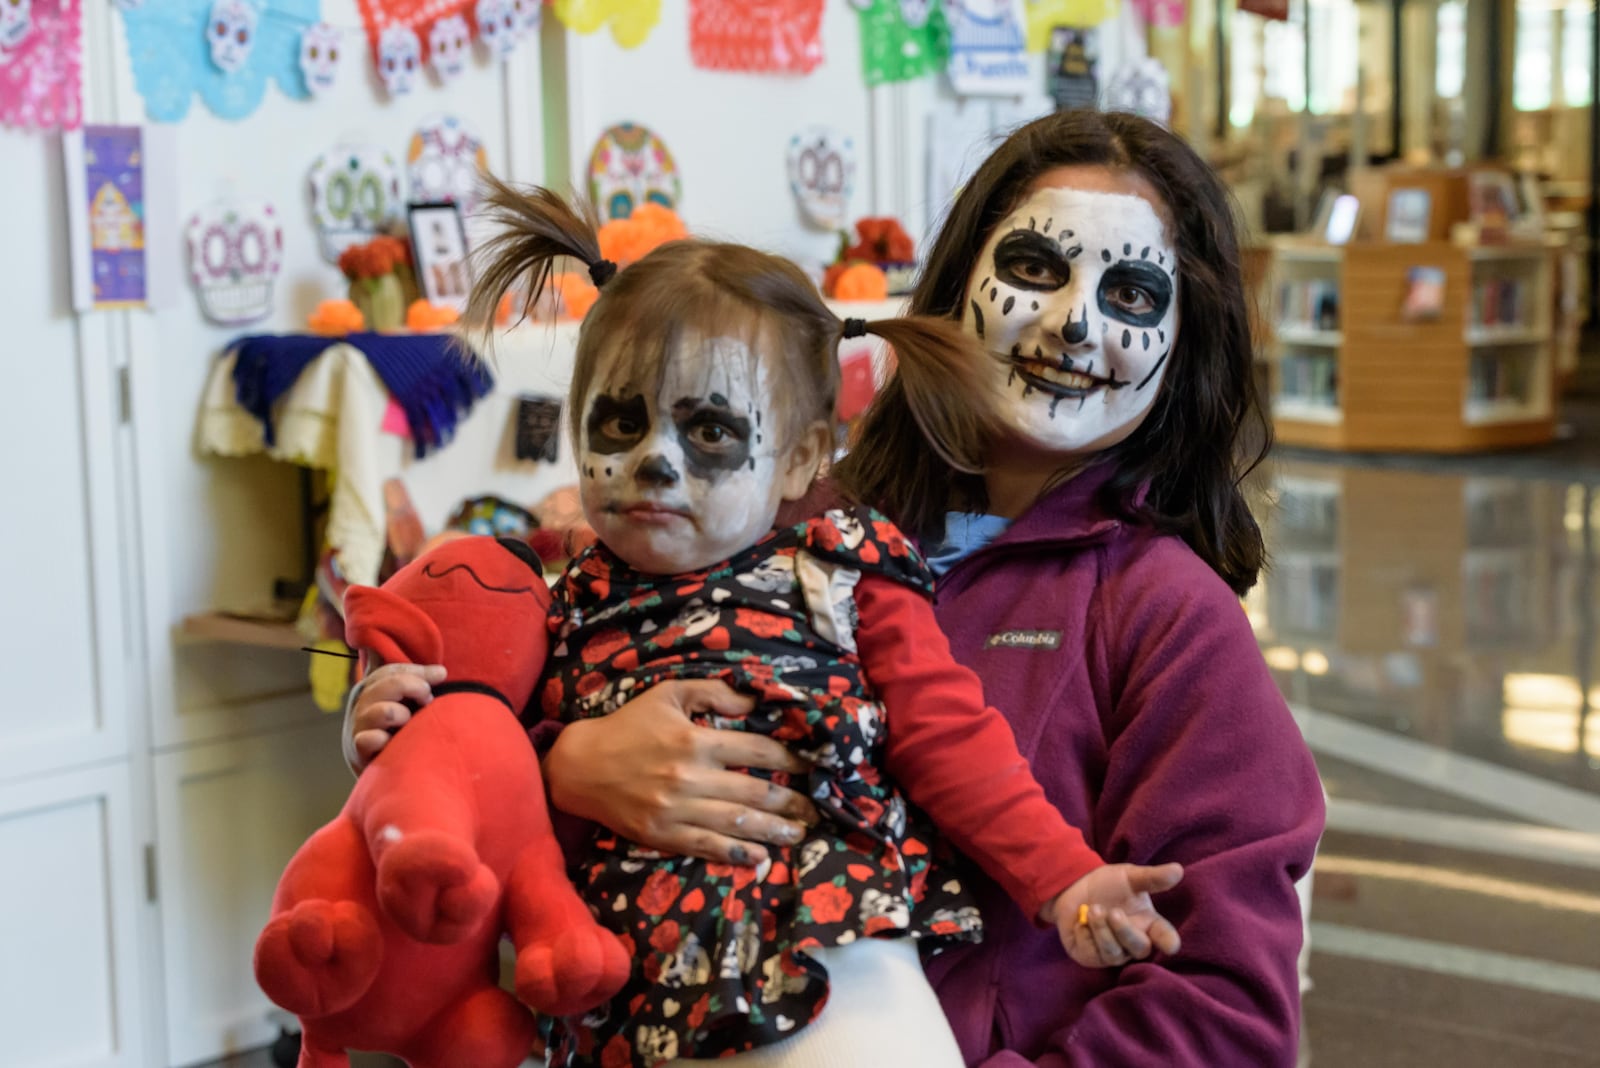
x=113, y=167
x=41, y=56
x=1073, y=72
x=765, y=36
x=1045, y=15
x=902, y=39
x=988, y=48
x=225, y=50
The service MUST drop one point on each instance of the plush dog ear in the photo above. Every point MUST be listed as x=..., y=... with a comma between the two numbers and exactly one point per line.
x=392, y=627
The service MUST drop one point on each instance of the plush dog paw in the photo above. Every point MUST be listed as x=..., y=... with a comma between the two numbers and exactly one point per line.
x=434, y=888
x=319, y=957
x=571, y=973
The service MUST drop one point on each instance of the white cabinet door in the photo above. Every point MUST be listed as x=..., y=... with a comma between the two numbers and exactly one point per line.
x=68, y=910
x=229, y=816
x=62, y=638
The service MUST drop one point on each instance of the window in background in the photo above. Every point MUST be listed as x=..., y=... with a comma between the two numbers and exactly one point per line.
x=1531, y=77
x=1450, y=71
x=1577, y=20
x=1269, y=63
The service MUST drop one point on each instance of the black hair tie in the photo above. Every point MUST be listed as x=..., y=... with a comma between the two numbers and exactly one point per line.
x=601, y=272
x=855, y=328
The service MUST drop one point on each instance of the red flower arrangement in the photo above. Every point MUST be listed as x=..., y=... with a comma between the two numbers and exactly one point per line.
x=380, y=256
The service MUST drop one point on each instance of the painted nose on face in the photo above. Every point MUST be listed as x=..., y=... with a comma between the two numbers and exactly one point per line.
x=1075, y=331
x=656, y=470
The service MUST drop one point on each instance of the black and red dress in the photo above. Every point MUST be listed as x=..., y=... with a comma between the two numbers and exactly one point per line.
x=828, y=624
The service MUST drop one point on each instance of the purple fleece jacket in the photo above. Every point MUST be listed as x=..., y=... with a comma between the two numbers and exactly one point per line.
x=1133, y=682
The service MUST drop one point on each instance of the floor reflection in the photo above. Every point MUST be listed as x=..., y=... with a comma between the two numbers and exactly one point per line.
x=1436, y=634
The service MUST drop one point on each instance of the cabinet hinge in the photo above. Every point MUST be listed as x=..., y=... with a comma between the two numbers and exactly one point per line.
x=150, y=872
x=124, y=394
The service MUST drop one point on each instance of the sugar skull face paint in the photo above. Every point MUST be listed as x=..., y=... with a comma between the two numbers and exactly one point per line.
x=676, y=477
x=1078, y=292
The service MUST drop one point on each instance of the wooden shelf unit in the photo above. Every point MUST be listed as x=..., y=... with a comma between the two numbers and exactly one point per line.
x=1350, y=373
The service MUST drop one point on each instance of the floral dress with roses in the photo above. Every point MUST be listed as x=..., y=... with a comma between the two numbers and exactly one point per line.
x=719, y=951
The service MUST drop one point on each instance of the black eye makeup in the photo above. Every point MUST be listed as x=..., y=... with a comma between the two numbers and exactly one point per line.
x=714, y=439
x=1135, y=292
x=1025, y=259
x=616, y=424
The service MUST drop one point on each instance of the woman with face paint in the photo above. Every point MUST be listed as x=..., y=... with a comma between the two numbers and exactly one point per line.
x=1096, y=563
x=1090, y=576
x=703, y=394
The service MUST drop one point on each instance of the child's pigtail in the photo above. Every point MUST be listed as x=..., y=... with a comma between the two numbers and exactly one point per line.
x=941, y=372
x=535, y=228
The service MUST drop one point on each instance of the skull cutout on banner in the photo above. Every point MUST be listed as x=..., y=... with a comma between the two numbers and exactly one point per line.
x=448, y=42
x=319, y=57
x=231, y=33
x=443, y=163
x=235, y=251
x=355, y=193
x=822, y=172
x=1143, y=88
x=914, y=13
x=399, y=58
x=526, y=14
x=16, y=22
x=497, y=25
x=630, y=166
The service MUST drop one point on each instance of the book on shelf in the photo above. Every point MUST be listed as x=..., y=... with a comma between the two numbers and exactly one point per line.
x=1501, y=303
x=1309, y=304
x=1499, y=376
x=1309, y=378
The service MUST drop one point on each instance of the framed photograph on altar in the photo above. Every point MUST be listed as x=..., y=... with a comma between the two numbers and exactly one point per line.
x=439, y=247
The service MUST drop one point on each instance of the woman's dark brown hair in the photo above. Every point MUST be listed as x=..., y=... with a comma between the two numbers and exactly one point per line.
x=707, y=289
x=1205, y=431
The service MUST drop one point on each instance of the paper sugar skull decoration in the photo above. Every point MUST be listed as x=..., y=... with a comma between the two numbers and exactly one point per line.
x=527, y=14
x=319, y=57
x=399, y=58
x=443, y=162
x=448, y=43
x=497, y=25
x=1143, y=88
x=355, y=193
x=822, y=172
x=231, y=33
x=16, y=22
x=235, y=251
x=631, y=166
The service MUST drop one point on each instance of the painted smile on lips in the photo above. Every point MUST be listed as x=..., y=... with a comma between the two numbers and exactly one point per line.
x=1056, y=375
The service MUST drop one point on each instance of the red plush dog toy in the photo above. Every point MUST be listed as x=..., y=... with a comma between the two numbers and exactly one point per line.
x=386, y=924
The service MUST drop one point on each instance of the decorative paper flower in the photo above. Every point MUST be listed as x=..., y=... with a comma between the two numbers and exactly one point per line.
x=335, y=317
x=625, y=241
x=577, y=294
x=861, y=281
x=423, y=317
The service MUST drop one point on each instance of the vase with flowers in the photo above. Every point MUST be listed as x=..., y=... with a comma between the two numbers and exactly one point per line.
x=381, y=282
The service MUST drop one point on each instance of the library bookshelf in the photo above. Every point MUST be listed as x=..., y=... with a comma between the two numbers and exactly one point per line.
x=1430, y=347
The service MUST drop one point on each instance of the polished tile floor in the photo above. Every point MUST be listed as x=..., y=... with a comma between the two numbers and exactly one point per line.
x=1435, y=625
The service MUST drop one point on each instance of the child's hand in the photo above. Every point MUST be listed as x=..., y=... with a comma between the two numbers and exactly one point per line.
x=1122, y=924
x=381, y=707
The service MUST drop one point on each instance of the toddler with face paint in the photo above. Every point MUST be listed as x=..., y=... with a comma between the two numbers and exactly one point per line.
x=702, y=400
